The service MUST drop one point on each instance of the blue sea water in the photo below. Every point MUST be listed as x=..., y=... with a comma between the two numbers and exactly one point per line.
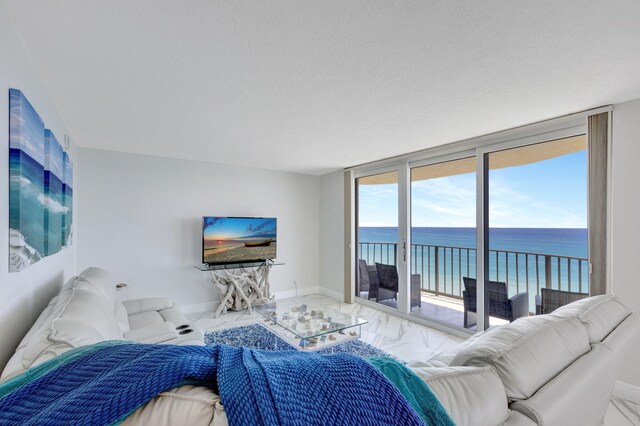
x=27, y=199
x=519, y=271
x=556, y=241
x=40, y=205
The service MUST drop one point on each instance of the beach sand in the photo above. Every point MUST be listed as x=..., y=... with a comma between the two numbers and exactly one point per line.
x=236, y=254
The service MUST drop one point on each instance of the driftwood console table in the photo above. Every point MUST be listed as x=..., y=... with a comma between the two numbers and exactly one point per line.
x=241, y=285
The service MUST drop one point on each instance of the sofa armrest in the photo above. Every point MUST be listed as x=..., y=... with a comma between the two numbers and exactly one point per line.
x=471, y=395
x=154, y=333
x=520, y=305
x=136, y=306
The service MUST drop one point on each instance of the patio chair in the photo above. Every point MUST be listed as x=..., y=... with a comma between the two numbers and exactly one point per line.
x=387, y=288
x=363, y=277
x=499, y=306
x=388, y=276
x=552, y=299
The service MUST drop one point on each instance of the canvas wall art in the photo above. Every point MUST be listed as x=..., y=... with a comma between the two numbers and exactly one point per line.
x=67, y=185
x=54, y=205
x=39, y=207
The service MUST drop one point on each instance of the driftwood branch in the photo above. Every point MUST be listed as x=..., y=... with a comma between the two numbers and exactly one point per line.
x=242, y=288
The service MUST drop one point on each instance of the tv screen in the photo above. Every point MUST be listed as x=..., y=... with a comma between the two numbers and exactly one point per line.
x=238, y=239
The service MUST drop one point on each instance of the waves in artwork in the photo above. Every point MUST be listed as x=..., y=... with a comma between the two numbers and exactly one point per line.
x=40, y=187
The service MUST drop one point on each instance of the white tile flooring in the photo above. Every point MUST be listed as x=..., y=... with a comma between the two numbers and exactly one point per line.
x=404, y=339
x=622, y=413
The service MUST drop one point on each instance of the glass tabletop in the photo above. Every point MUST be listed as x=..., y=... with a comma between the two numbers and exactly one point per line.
x=308, y=320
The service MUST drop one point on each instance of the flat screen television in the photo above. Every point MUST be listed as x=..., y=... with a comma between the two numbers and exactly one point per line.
x=238, y=239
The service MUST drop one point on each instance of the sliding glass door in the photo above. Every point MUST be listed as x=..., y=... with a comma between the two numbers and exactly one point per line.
x=377, y=238
x=537, y=228
x=443, y=241
x=479, y=236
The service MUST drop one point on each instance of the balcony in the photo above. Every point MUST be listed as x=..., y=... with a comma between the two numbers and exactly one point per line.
x=441, y=270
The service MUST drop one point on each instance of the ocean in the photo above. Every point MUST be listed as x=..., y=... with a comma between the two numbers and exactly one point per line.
x=455, y=263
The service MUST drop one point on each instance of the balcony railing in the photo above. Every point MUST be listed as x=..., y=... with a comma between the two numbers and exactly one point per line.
x=441, y=268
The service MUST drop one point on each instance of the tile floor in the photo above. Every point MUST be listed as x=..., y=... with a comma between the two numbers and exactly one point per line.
x=404, y=339
x=622, y=413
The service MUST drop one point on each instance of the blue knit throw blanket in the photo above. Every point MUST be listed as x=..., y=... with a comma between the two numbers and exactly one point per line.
x=102, y=384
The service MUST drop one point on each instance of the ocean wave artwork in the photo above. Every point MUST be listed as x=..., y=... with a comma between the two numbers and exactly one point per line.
x=39, y=208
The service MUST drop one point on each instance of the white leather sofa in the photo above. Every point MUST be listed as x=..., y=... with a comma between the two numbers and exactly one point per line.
x=556, y=369
x=86, y=311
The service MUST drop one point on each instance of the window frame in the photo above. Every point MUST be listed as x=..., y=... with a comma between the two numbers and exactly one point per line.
x=480, y=148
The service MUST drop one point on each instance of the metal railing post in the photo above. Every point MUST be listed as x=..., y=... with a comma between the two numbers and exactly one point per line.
x=547, y=271
x=437, y=256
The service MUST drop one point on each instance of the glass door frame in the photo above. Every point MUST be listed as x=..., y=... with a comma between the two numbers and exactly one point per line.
x=481, y=147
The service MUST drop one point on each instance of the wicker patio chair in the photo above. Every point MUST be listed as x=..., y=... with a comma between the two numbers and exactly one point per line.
x=551, y=299
x=388, y=275
x=500, y=305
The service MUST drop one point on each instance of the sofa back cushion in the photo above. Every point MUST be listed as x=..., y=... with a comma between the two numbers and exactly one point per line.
x=102, y=281
x=120, y=313
x=89, y=308
x=471, y=395
x=599, y=315
x=81, y=315
x=527, y=353
x=39, y=340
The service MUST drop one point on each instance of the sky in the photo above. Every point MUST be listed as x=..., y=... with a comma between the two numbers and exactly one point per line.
x=546, y=194
x=223, y=228
x=26, y=128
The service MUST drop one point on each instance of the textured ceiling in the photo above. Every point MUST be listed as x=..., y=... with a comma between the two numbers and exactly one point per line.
x=312, y=86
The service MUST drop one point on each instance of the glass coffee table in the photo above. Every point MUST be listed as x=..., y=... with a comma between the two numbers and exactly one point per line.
x=308, y=326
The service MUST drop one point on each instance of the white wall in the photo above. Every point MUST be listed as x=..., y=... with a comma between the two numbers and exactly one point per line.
x=141, y=218
x=625, y=276
x=24, y=294
x=332, y=234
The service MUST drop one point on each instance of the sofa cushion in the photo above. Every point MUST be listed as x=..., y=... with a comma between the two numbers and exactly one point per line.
x=599, y=314
x=471, y=395
x=153, y=333
x=39, y=341
x=136, y=306
x=73, y=333
x=175, y=316
x=548, y=342
x=92, y=309
x=518, y=419
x=122, y=318
x=186, y=405
x=39, y=324
x=623, y=338
x=579, y=395
x=102, y=281
x=144, y=319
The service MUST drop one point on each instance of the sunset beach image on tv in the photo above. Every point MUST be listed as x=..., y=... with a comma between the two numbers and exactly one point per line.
x=238, y=239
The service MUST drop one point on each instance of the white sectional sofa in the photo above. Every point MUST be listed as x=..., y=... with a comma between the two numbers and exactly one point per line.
x=556, y=369
x=86, y=311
